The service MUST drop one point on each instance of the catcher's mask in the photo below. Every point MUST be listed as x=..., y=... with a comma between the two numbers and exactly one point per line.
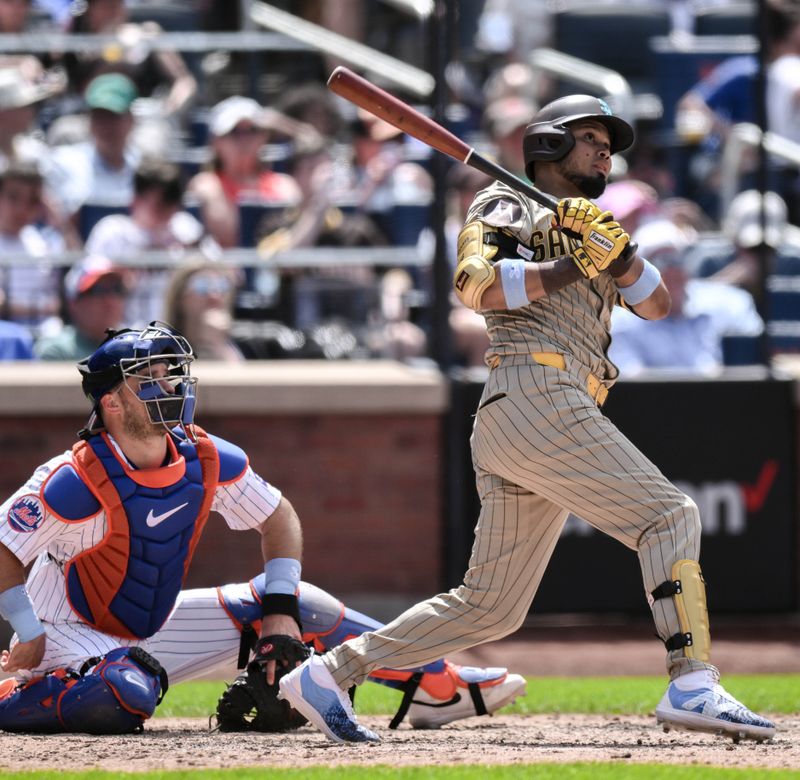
x=548, y=137
x=131, y=354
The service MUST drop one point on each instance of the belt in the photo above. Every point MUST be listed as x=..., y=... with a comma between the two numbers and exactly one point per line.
x=594, y=385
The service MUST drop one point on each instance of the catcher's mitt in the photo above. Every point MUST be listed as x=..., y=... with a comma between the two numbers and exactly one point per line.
x=249, y=703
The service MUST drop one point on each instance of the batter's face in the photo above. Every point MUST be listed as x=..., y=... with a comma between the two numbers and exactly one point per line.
x=588, y=164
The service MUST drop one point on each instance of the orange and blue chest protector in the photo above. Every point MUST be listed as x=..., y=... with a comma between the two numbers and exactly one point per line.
x=127, y=584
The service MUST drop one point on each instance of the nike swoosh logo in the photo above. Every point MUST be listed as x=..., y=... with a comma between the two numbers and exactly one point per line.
x=154, y=520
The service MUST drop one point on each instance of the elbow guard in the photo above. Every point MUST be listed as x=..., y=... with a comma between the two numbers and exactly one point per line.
x=474, y=272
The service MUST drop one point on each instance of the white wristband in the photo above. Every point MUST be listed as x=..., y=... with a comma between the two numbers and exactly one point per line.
x=512, y=277
x=16, y=608
x=643, y=287
x=282, y=575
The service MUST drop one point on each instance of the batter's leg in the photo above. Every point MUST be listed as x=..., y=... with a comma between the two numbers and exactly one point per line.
x=514, y=539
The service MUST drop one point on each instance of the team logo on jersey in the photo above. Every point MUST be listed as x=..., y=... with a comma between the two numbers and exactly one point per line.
x=605, y=108
x=26, y=514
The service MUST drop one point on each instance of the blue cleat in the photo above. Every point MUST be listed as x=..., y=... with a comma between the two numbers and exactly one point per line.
x=311, y=690
x=697, y=702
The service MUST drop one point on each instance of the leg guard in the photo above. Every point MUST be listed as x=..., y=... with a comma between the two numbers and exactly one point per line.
x=115, y=696
x=688, y=590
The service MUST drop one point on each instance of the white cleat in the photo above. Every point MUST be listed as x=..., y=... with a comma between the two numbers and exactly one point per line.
x=475, y=691
x=697, y=702
x=312, y=691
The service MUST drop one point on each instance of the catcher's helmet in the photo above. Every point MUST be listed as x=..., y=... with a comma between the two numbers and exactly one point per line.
x=548, y=137
x=170, y=399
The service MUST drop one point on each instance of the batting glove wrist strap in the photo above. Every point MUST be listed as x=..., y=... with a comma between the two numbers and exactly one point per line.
x=281, y=604
x=17, y=609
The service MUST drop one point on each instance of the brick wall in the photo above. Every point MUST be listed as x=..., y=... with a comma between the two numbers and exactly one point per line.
x=367, y=489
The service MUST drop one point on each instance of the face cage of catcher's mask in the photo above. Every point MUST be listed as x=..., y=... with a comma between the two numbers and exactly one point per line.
x=163, y=407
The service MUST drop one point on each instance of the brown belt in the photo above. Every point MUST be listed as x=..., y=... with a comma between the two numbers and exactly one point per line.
x=594, y=386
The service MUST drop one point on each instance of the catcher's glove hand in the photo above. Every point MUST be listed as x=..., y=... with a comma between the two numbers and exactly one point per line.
x=250, y=703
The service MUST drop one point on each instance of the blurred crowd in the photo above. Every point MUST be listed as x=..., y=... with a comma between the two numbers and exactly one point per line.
x=155, y=167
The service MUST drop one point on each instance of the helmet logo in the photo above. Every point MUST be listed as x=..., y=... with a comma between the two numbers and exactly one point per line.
x=604, y=107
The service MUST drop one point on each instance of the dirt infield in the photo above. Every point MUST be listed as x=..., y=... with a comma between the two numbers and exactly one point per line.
x=187, y=744
x=567, y=651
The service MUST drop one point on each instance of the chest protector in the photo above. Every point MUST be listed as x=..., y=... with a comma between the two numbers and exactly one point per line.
x=127, y=584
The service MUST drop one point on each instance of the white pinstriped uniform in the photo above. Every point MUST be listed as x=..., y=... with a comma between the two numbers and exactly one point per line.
x=198, y=633
x=541, y=449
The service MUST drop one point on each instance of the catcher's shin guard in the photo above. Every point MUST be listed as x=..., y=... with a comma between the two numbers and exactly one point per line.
x=687, y=588
x=115, y=696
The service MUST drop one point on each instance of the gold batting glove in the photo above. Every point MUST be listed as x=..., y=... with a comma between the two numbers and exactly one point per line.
x=605, y=241
x=584, y=263
x=577, y=214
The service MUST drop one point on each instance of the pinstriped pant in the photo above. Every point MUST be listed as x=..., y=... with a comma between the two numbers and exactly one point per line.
x=541, y=449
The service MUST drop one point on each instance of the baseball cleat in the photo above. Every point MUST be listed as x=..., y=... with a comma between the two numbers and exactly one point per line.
x=697, y=702
x=312, y=691
x=475, y=691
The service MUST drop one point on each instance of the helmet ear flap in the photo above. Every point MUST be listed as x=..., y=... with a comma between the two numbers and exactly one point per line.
x=546, y=144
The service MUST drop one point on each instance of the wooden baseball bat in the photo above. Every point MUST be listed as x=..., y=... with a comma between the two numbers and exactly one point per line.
x=377, y=101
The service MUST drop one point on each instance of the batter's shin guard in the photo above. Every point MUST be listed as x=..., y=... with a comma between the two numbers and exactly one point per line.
x=687, y=588
x=112, y=695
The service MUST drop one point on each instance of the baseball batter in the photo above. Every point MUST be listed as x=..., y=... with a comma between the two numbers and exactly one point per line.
x=541, y=446
x=102, y=625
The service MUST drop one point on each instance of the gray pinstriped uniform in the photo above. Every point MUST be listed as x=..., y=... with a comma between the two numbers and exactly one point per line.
x=541, y=449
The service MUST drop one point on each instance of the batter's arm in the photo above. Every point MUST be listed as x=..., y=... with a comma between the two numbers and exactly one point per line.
x=657, y=305
x=541, y=279
x=478, y=280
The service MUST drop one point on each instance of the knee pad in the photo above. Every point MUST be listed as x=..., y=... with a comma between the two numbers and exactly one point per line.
x=688, y=591
x=115, y=696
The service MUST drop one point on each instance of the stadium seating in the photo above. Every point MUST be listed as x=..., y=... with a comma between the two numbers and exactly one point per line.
x=90, y=214
x=614, y=36
x=735, y=18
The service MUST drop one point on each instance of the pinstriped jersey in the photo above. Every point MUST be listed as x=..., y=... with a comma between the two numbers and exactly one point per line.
x=32, y=533
x=575, y=320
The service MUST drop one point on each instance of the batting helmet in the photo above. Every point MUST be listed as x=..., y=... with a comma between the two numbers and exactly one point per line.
x=170, y=399
x=549, y=138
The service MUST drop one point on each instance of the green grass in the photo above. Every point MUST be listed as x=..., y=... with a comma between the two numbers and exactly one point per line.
x=778, y=693
x=589, y=771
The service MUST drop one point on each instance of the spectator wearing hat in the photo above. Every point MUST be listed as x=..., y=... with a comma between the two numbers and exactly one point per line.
x=746, y=234
x=95, y=292
x=101, y=169
x=19, y=99
x=703, y=312
x=239, y=129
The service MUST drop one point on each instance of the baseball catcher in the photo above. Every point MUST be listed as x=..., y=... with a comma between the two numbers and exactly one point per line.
x=102, y=623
